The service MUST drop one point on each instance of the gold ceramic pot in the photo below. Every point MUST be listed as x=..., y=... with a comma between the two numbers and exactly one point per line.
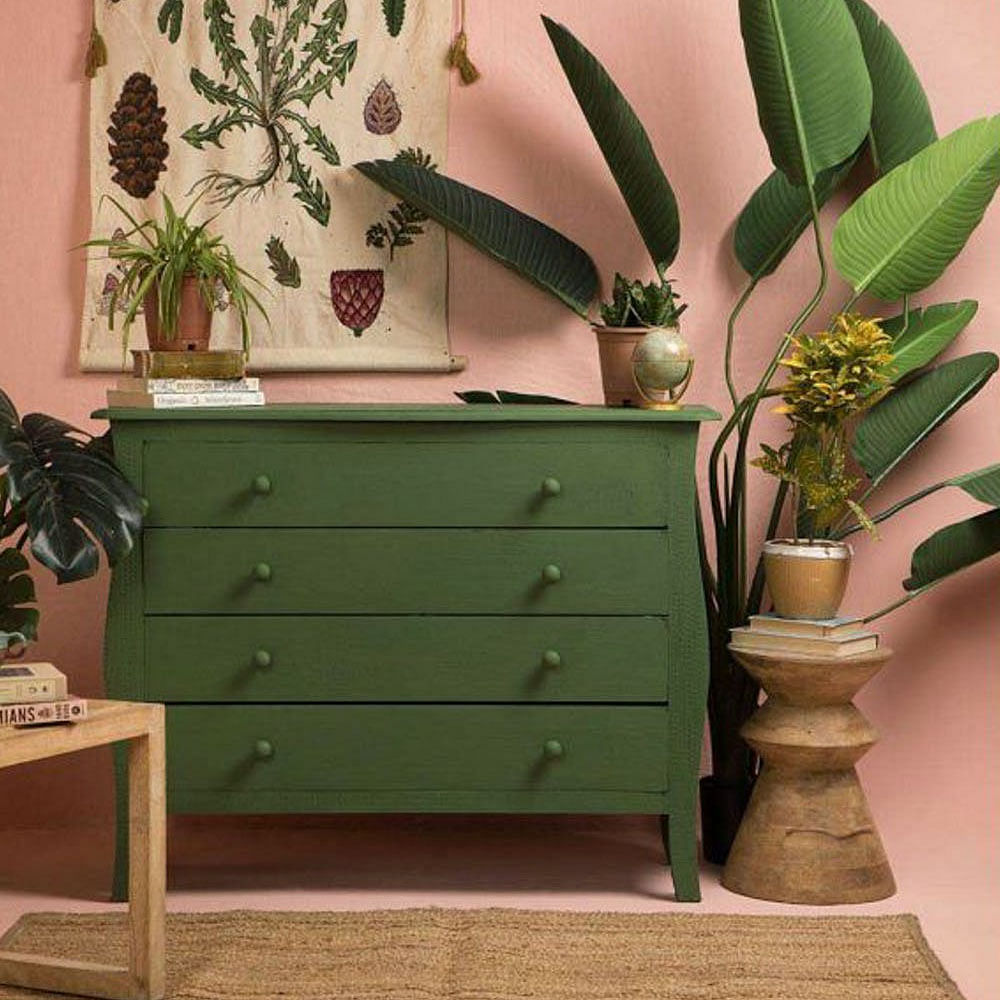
x=806, y=580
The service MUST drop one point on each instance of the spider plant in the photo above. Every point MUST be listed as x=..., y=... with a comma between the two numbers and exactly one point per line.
x=158, y=256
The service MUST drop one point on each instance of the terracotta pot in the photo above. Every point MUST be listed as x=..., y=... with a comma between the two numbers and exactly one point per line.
x=615, y=345
x=806, y=580
x=194, y=319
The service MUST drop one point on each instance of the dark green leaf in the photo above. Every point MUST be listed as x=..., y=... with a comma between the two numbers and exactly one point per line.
x=525, y=245
x=814, y=98
x=892, y=428
x=394, y=11
x=477, y=396
x=283, y=265
x=776, y=215
x=625, y=145
x=954, y=548
x=506, y=396
x=316, y=138
x=927, y=334
x=983, y=484
x=170, y=18
x=309, y=191
x=16, y=590
x=222, y=34
x=213, y=131
x=902, y=123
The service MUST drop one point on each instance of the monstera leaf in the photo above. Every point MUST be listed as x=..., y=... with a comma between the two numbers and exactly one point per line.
x=776, y=215
x=892, y=428
x=525, y=245
x=954, y=548
x=625, y=145
x=901, y=123
x=917, y=341
x=16, y=590
x=814, y=98
x=68, y=490
x=902, y=233
x=509, y=397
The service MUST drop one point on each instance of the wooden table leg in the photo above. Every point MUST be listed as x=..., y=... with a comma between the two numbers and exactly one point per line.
x=147, y=862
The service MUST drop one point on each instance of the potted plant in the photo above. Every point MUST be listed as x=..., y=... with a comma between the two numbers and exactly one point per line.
x=634, y=310
x=547, y=258
x=63, y=497
x=918, y=205
x=175, y=272
x=834, y=376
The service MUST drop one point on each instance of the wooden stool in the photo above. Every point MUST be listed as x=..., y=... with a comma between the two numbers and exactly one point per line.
x=808, y=835
x=109, y=722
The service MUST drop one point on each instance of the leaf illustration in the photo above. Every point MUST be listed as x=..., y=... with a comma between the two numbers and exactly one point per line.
x=198, y=135
x=309, y=192
x=394, y=11
x=284, y=266
x=316, y=138
x=222, y=34
x=382, y=113
x=170, y=18
x=404, y=222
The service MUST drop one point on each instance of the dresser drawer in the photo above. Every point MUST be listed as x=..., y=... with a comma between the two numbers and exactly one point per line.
x=408, y=484
x=406, y=659
x=411, y=748
x=400, y=571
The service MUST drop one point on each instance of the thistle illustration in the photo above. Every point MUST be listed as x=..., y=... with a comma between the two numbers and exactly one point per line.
x=138, y=125
x=404, y=222
x=357, y=297
x=296, y=59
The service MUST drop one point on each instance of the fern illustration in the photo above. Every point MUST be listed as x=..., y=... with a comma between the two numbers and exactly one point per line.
x=283, y=265
x=404, y=222
x=297, y=57
x=394, y=12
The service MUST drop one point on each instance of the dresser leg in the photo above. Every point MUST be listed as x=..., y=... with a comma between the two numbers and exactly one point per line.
x=119, y=880
x=682, y=849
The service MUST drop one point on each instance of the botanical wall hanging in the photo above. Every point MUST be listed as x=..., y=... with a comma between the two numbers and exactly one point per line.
x=261, y=108
x=821, y=116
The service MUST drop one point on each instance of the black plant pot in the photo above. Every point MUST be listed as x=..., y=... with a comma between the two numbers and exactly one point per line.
x=722, y=806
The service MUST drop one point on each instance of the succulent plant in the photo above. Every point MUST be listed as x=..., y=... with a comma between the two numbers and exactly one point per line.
x=635, y=304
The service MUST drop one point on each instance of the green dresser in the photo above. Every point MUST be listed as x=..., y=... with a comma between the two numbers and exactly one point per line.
x=417, y=609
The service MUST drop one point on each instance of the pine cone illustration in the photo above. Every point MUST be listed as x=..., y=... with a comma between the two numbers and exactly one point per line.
x=138, y=152
x=357, y=297
x=382, y=111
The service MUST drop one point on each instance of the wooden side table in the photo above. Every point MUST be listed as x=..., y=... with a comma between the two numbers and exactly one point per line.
x=109, y=722
x=808, y=835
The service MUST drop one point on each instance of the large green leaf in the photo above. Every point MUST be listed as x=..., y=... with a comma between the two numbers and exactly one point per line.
x=892, y=428
x=901, y=123
x=814, y=98
x=902, y=233
x=776, y=215
x=69, y=491
x=927, y=333
x=525, y=245
x=625, y=145
x=16, y=590
x=983, y=484
x=954, y=548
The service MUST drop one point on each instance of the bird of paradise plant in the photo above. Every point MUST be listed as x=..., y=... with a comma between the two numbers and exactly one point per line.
x=833, y=86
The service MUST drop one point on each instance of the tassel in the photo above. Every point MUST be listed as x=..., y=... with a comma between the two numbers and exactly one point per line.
x=458, y=54
x=458, y=58
x=97, y=53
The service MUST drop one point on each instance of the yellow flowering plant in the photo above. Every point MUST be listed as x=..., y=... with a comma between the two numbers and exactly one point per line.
x=833, y=376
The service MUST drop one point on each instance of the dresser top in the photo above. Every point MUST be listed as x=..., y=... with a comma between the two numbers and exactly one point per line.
x=418, y=412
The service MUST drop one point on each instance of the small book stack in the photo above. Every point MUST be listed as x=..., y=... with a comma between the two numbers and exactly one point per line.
x=35, y=694
x=173, y=380
x=831, y=638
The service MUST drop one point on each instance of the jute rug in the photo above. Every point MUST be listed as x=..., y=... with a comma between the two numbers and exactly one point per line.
x=513, y=955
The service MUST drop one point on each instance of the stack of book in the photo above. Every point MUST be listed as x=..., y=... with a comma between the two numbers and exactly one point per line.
x=171, y=380
x=35, y=694
x=831, y=638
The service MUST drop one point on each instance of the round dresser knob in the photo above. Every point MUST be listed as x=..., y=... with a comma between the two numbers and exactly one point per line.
x=262, y=572
x=261, y=485
x=551, y=659
x=262, y=659
x=553, y=749
x=263, y=749
x=551, y=487
x=551, y=574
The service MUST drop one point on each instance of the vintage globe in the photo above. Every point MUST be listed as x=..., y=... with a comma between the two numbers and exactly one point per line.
x=661, y=367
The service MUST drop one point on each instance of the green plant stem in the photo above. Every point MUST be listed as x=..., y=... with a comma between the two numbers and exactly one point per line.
x=841, y=533
x=898, y=604
x=731, y=337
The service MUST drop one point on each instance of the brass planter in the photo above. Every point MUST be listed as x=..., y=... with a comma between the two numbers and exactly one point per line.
x=806, y=580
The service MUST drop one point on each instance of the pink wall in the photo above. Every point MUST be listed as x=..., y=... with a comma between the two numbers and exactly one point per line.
x=519, y=133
